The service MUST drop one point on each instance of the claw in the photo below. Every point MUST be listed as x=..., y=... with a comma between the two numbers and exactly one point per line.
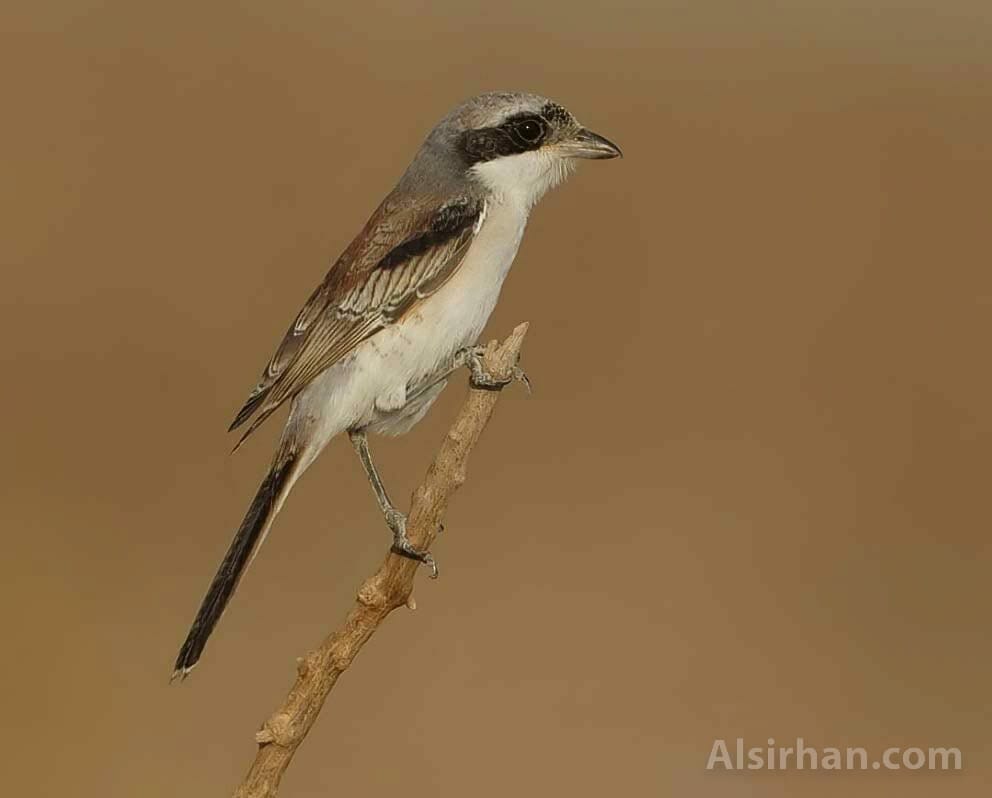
x=402, y=545
x=519, y=375
x=404, y=549
x=430, y=561
x=482, y=379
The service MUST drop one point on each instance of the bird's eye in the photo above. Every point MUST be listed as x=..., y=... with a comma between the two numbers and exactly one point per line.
x=530, y=130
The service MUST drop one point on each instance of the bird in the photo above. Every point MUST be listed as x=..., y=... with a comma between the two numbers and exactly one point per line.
x=402, y=308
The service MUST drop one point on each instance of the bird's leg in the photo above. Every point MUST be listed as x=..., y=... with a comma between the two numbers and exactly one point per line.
x=395, y=520
x=471, y=356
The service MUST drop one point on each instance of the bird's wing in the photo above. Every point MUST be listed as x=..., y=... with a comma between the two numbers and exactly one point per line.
x=405, y=253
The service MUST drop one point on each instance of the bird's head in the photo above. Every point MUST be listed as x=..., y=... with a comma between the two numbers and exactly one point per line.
x=516, y=144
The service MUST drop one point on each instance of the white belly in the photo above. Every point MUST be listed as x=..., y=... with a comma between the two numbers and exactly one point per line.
x=370, y=385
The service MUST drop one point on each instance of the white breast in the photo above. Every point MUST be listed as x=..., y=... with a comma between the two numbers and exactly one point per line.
x=373, y=382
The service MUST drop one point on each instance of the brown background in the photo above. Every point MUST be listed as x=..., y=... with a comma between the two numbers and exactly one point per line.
x=750, y=493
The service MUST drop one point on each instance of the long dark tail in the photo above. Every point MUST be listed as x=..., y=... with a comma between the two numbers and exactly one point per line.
x=257, y=520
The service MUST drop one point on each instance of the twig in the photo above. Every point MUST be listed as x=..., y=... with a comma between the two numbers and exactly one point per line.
x=390, y=587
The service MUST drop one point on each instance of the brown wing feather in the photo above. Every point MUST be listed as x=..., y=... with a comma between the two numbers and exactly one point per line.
x=404, y=254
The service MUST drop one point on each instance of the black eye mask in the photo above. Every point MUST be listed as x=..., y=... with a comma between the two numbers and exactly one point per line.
x=518, y=134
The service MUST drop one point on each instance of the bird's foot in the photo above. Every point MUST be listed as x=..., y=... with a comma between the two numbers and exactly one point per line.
x=402, y=545
x=471, y=356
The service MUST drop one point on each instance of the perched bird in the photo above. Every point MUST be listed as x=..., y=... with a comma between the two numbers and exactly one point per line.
x=402, y=307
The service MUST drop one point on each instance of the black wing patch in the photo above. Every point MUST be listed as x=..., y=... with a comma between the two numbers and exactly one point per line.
x=450, y=221
x=338, y=317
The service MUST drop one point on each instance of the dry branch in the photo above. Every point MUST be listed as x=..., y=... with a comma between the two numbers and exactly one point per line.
x=390, y=587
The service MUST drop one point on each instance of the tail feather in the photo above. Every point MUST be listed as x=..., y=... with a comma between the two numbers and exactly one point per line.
x=250, y=535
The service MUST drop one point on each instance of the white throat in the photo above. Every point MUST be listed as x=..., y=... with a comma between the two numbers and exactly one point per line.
x=524, y=178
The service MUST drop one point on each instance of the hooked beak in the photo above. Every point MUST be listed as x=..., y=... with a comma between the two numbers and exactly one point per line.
x=586, y=144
